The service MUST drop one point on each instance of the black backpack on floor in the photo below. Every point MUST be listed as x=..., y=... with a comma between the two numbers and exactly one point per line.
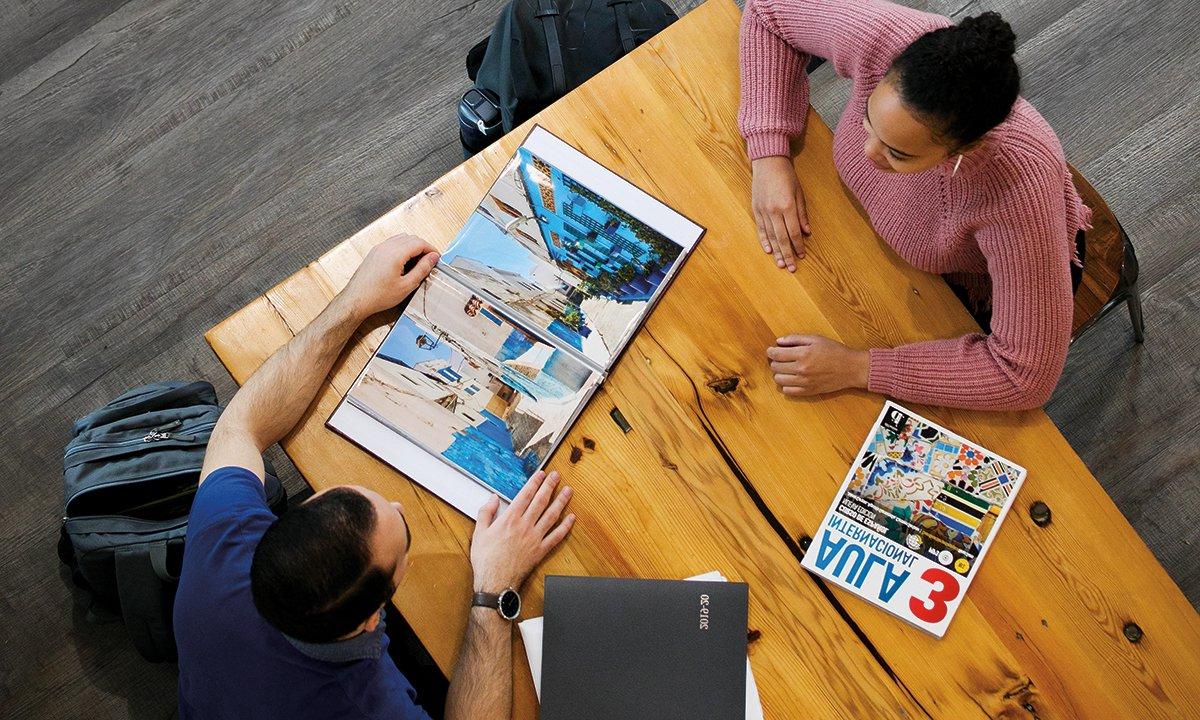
x=541, y=49
x=130, y=473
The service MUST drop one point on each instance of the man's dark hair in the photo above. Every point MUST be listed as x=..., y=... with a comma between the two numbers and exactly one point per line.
x=312, y=576
x=963, y=79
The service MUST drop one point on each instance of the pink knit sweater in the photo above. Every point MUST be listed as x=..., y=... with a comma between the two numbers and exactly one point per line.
x=1005, y=222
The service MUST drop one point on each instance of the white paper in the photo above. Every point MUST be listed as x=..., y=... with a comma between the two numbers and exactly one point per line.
x=531, y=635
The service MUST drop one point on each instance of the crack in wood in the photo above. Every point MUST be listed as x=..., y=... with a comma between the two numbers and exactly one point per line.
x=776, y=525
x=460, y=8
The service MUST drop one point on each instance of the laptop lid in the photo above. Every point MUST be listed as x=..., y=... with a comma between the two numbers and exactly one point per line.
x=619, y=648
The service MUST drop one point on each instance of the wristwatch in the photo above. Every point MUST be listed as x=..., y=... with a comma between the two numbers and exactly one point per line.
x=507, y=603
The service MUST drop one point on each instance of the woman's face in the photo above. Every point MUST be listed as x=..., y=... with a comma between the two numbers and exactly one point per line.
x=896, y=140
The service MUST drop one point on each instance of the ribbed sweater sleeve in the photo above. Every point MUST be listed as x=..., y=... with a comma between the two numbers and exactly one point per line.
x=1017, y=366
x=860, y=38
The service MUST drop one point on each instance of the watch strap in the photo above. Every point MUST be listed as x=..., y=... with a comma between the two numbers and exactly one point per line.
x=487, y=600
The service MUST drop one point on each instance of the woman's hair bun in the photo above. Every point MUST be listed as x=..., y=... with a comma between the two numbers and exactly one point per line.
x=963, y=78
x=992, y=34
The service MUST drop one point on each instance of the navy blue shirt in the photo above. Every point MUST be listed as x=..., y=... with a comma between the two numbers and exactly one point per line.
x=232, y=664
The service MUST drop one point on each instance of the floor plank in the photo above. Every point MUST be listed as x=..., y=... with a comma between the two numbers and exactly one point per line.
x=32, y=30
x=163, y=162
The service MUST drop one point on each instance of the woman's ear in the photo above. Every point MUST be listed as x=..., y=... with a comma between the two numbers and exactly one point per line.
x=371, y=623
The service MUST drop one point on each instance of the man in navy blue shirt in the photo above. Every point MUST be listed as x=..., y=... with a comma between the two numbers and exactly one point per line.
x=284, y=618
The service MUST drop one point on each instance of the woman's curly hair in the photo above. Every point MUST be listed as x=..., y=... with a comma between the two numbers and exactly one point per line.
x=963, y=79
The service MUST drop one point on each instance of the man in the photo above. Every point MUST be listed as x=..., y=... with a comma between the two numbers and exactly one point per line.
x=284, y=618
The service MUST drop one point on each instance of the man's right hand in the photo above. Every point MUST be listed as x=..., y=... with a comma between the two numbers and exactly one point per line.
x=779, y=212
x=505, y=549
x=384, y=278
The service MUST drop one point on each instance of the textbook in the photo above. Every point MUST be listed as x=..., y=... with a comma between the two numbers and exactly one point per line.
x=914, y=518
x=662, y=649
x=501, y=347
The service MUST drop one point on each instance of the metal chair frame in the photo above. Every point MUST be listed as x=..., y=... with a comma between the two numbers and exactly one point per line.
x=1126, y=291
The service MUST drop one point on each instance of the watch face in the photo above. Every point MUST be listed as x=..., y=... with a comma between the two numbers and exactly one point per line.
x=510, y=604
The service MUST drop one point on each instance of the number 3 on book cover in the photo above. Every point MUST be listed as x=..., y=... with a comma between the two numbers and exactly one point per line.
x=913, y=519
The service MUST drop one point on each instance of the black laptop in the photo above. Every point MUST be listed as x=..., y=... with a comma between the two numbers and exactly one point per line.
x=665, y=649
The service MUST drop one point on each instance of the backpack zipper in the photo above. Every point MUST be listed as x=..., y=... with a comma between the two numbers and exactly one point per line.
x=175, y=524
x=155, y=476
x=154, y=435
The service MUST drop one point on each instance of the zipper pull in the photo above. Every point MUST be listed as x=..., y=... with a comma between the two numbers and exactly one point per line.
x=159, y=434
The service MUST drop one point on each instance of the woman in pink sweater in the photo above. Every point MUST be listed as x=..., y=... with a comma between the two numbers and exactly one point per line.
x=957, y=173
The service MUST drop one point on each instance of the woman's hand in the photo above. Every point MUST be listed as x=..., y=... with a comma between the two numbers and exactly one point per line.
x=814, y=364
x=779, y=211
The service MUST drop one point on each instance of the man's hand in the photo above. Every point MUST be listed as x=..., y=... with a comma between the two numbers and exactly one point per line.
x=814, y=364
x=275, y=397
x=505, y=549
x=380, y=282
x=779, y=211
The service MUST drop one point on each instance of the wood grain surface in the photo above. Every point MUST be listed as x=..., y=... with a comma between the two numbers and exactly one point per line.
x=722, y=472
x=162, y=162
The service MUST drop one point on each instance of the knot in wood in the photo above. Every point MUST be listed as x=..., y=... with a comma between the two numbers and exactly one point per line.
x=724, y=386
x=1133, y=632
x=1039, y=512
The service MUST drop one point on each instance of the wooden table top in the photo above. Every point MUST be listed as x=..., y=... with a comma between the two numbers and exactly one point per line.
x=722, y=472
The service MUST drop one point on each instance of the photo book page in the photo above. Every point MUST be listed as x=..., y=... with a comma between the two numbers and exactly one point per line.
x=499, y=350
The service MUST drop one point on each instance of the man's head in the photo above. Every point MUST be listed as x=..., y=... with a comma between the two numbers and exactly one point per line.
x=323, y=570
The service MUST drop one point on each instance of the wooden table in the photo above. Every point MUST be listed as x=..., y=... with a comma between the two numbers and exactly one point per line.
x=722, y=472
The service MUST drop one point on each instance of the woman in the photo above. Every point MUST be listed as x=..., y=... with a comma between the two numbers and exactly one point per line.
x=957, y=173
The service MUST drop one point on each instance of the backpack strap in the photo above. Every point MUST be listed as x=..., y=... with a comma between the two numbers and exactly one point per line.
x=548, y=13
x=623, y=27
x=143, y=586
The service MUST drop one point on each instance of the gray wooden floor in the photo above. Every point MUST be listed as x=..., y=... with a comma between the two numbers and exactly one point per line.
x=162, y=162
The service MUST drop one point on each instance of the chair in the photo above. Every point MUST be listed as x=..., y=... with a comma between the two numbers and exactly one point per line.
x=1110, y=267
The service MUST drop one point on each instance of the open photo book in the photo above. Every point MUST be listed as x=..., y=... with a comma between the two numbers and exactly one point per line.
x=915, y=515
x=501, y=347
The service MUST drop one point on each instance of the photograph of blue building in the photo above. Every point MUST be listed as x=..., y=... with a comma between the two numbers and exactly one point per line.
x=616, y=255
x=568, y=260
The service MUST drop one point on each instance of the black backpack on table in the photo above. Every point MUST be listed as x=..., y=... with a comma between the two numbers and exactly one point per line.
x=130, y=473
x=541, y=49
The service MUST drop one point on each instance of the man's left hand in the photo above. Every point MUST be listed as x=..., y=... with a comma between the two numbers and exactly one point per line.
x=814, y=364
x=380, y=282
